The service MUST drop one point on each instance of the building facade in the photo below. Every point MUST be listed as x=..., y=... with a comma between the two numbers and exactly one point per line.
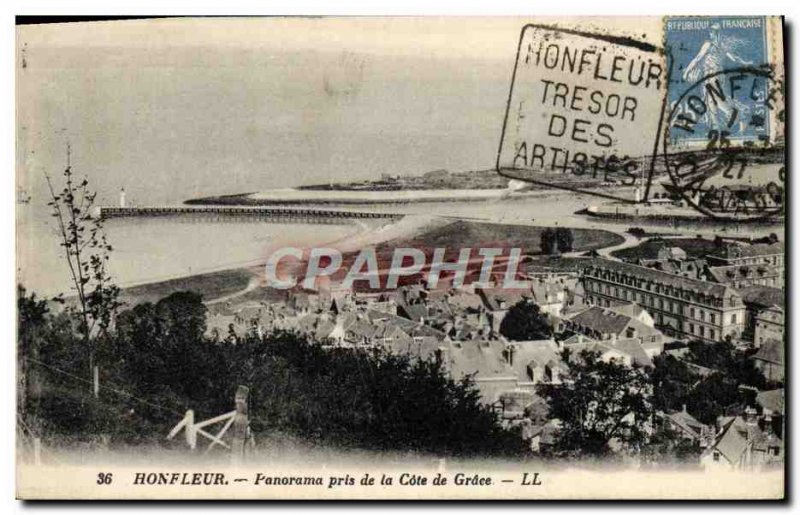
x=741, y=266
x=681, y=307
x=768, y=325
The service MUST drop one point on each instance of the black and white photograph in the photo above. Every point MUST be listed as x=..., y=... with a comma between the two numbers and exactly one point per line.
x=401, y=257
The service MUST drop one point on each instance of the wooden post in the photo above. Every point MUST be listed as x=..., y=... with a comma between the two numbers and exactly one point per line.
x=37, y=451
x=96, y=381
x=191, y=431
x=240, y=426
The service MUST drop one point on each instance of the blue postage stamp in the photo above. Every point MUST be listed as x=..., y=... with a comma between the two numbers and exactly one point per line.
x=703, y=47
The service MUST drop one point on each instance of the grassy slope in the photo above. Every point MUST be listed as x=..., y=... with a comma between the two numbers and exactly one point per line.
x=694, y=247
x=210, y=286
x=478, y=234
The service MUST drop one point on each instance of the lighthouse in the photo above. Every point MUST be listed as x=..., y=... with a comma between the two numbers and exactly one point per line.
x=122, y=197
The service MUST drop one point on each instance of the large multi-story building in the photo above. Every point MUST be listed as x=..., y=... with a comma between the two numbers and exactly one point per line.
x=681, y=306
x=742, y=266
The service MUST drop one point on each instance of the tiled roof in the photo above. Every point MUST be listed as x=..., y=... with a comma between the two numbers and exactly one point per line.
x=630, y=309
x=771, y=351
x=385, y=329
x=541, y=352
x=732, y=441
x=772, y=400
x=493, y=297
x=763, y=295
x=735, y=434
x=686, y=422
x=754, y=250
x=546, y=432
x=408, y=326
x=627, y=346
x=665, y=265
x=730, y=273
x=422, y=349
x=465, y=301
x=604, y=321
x=576, y=338
x=362, y=329
x=415, y=312
x=466, y=331
x=544, y=293
x=705, y=287
x=483, y=358
x=676, y=252
x=633, y=348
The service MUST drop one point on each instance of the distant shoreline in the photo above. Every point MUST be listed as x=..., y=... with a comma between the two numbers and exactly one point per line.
x=348, y=197
x=292, y=196
x=686, y=215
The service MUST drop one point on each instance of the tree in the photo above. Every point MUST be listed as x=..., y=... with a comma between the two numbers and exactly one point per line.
x=564, y=239
x=714, y=396
x=727, y=359
x=524, y=321
x=369, y=399
x=31, y=322
x=672, y=383
x=184, y=315
x=600, y=405
x=86, y=251
x=163, y=364
x=548, y=241
x=665, y=446
x=162, y=350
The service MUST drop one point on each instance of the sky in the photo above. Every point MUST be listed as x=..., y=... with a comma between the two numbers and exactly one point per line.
x=177, y=108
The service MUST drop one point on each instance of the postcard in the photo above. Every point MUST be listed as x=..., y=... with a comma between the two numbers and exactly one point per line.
x=440, y=258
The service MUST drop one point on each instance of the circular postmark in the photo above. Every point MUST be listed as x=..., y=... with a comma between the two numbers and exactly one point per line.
x=720, y=146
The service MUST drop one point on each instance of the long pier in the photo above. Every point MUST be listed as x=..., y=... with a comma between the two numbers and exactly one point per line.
x=255, y=213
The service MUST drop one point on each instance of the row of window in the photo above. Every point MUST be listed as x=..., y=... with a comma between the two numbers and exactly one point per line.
x=660, y=289
x=774, y=260
x=690, y=327
x=701, y=331
x=769, y=281
x=651, y=301
x=669, y=306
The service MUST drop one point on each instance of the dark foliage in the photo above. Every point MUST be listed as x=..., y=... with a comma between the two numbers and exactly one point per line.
x=711, y=394
x=665, y=446
x=548, y=241
x=159, y=363
x=525, y=322
x=369, y=398
x=600, y=405
x=728, y=360
x=564, y=239
x=673, y=381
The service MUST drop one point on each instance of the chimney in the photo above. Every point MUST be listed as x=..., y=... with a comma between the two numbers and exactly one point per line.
x=750, y=416
x=442, y=357
x=768, y=422
x=510, y=349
